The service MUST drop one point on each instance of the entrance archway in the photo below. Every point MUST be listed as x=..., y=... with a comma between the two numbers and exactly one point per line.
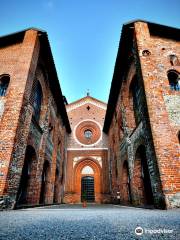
x=141, y=183
x=87, y=179
x=28, y=171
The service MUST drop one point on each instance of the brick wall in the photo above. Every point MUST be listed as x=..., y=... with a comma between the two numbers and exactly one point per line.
x=155, y=126
x=22, y=135
x=138, y=160
x=164, y=123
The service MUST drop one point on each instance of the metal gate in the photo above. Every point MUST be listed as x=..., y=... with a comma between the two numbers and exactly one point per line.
x=87, y=189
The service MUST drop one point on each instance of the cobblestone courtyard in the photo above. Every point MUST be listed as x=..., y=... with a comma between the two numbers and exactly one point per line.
x=94, y=222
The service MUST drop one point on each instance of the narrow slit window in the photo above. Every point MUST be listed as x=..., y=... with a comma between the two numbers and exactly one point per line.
x=37, y=101
x=4, y=83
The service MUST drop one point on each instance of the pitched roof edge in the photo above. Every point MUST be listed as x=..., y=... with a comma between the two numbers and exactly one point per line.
x=118, y=68
x=113, y=95
x=55, y=87
x=81, y=99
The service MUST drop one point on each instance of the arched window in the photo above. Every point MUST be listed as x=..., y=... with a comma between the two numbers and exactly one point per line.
x=174, y=60
x=134, y=97
x=174, y=80
x=37, y=101
x=4, y=83
x=87, y=170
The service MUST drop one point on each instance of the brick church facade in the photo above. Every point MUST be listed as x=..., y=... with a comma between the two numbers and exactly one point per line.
x=87, y=151
x=126, y=151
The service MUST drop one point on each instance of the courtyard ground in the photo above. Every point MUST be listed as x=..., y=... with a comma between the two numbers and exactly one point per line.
x=99, y=222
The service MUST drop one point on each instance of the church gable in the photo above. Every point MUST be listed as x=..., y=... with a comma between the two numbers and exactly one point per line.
x=86, y=101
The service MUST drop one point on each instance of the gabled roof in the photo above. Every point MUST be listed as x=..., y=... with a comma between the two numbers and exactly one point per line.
x=121, y=63
x=45, y=50
x=86, y=100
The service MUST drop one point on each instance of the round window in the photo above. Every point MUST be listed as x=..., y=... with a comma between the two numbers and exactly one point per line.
x=88, y=134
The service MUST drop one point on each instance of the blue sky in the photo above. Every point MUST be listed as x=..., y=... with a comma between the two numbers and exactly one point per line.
x=84, y=35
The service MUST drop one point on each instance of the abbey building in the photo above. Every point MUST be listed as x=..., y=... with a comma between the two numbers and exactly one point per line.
x=125, y=152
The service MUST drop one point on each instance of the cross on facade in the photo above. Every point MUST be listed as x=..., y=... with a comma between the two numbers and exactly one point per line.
x=88, y=92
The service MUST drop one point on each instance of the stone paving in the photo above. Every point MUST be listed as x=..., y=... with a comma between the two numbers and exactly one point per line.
x=99, y=222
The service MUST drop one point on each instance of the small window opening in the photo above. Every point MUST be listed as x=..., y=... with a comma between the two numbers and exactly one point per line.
x=146, y=53
x=174, y=60
x=174, y=80
x=4, y=83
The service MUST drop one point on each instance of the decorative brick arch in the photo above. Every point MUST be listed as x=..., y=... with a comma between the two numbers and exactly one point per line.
x=78, y=175
x=25, y=194
x=141, y=182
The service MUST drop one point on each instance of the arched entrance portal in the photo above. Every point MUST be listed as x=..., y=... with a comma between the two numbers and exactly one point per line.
x=27, y=182
x=87, y=181
x=141, y=183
